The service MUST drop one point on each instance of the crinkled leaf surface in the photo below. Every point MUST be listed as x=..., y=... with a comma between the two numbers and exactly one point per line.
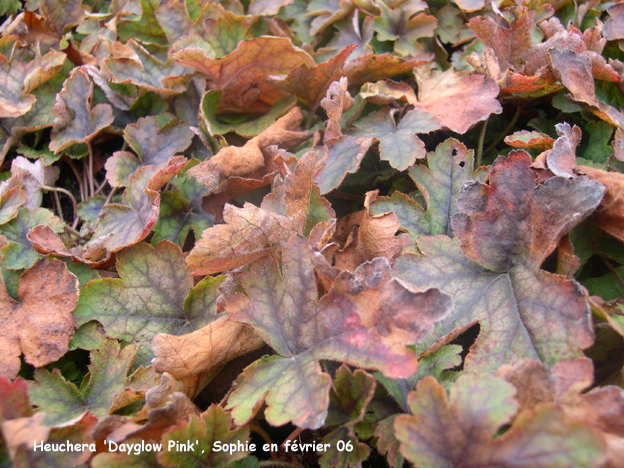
x=107, y=381
x=448, y=168
x=459, y=431
x=40, y=324
x=403, y=26
x=150, y=296
x=76, y=121
x=366, y=320
x=508, y=228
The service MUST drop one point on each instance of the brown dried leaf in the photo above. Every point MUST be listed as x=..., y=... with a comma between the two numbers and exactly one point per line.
x=311, y=84
x=241, y=75
x=195, y=358
x=337, y=102
x=241, y=161
x=456, y=98
x=40, y=325
x=250, y=232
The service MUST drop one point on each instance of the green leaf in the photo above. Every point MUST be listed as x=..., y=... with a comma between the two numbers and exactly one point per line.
x=19, y=252
x=76, y=121
x=181, y=210
x=433, y=365
x=107, y=383
x=350, y=394
x=342, y=157
x=21, y=74
x=123, y=225
x=449, y=168
x=461, y=430
x=153, y=143
x=353, y=453
x=398, y=144
x=508, y=228
x=366, y=319
x=150, y=297
x=403, y=26
x=214, y=426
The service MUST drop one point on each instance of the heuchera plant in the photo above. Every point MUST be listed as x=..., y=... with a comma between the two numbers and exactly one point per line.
x=355, y=233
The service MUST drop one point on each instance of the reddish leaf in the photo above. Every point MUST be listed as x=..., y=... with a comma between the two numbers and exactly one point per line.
x=241, y=75
x=366, y=320
x=458, y=100
x=311, y=83
x=250, y=232
x=527, y=139
x=509, y=228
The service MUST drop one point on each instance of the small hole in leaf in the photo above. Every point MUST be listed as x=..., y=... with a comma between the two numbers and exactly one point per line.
x=454, y=153
x=462, y=164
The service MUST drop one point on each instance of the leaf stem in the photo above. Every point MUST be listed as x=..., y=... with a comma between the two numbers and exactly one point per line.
x=72, y=231
x=262, y=433
x=480, y=146
x=293, y=435
x=613, y=270
x=110, y=195
x=71, y=197
x=282, y=463
x=90, y=173
x=78, y=178
x=57, y=202
x=99, y=189
x=504, y=133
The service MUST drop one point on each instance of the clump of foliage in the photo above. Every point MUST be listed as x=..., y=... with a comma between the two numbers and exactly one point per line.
x=389, y=232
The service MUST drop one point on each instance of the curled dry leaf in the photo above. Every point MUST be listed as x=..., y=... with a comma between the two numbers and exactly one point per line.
x=195, y=358
x=250, y=232
x=22, y=434
x=235, y=161
x=507, y=229
x=40, y=325
x=459, y=430
x=374, y=237
x=337, y=102
x=366, y=320
x=529, y=139
x=33, y=177
x=311, y=84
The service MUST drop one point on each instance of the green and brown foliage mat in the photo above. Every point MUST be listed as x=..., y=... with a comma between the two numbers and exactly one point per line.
x=394, y=227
